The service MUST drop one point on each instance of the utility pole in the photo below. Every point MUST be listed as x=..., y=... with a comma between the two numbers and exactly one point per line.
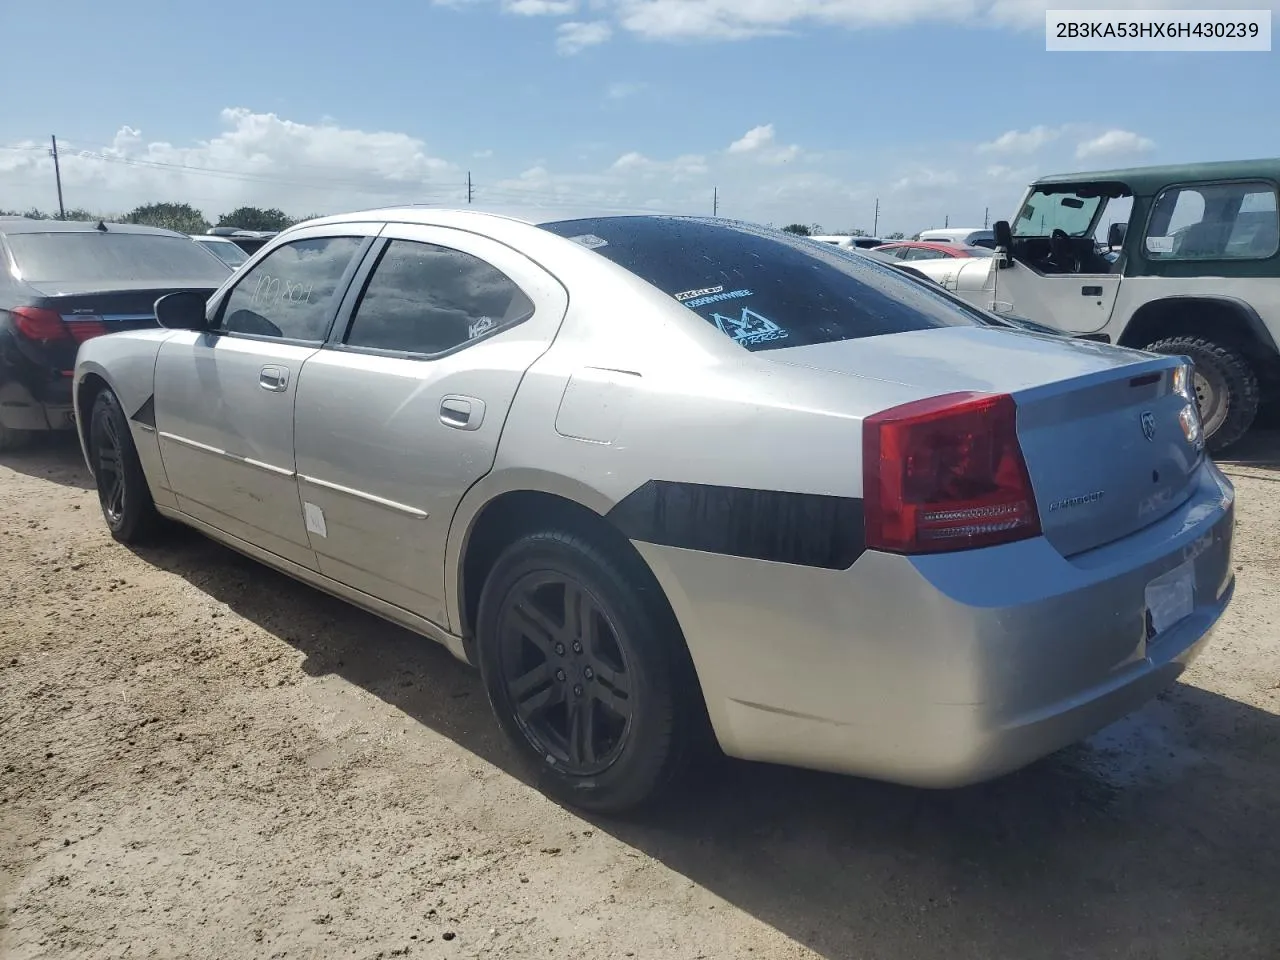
x=875, y=227
x=946, y=221
x=57, y=174
x=715, y=201
x=986, y=218
x=469, y=186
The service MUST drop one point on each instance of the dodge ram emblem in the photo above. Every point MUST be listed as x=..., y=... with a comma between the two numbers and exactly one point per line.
x=1148, y=424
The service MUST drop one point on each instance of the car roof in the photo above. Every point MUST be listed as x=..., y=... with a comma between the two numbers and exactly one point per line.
x=531, y=214
x=1146, y=181
x=81, y=226
x=954, y=231
x=928, y=244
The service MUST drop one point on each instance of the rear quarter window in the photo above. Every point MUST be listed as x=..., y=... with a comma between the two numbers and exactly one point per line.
x=762, y=288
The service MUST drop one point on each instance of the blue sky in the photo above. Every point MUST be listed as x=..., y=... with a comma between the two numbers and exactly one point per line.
x=794, y=109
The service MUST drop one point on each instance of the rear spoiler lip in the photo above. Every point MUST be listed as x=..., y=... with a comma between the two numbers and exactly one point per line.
x=51, y=293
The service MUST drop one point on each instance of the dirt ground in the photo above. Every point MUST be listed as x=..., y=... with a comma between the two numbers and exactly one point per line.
x=202, y=758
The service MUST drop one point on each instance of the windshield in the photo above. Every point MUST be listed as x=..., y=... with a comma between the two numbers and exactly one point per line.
x=94, y=256
x=224, y=250
x=1045, y=212
x=763, y=288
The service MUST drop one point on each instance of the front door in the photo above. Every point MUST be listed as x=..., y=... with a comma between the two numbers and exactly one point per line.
x=1074, y=302
x=401, y=413
x=224, y=399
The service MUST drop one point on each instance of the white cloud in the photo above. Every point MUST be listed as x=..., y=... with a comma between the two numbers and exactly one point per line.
x=681, y=168
x=575, y=36
x=621, y=90
x=761, y=144
x=262, y=159
x=1114, y=143
x=924, y=179
x=257, y=158
x=540, y=8
x=1019, y=141
x=754, y=139
x=683, y=20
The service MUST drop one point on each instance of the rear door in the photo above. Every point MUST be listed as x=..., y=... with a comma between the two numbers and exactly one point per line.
x=224, y=399
x=402, y=412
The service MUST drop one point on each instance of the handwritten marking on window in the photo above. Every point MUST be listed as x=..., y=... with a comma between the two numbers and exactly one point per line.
x=270, y=291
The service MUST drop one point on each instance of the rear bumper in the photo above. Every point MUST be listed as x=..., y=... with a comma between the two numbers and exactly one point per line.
x=20, y=410
x=946, y=670
x=32, y=397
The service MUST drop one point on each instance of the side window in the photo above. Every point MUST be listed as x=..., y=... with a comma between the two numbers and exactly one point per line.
x=290, y=293
x=923, y=253
x=1214, y=221
x=426, y=299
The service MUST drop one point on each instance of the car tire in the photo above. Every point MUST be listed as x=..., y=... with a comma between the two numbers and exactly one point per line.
x=1226, y=386
x=123, y=492
x=629, y=683
x=11, y=439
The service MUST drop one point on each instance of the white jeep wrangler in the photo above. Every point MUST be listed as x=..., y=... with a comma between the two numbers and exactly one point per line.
x=1190, y=265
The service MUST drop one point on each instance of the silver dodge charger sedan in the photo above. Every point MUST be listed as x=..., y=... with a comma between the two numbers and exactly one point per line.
x=659, y=477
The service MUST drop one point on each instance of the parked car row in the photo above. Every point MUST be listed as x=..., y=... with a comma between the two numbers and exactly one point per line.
x=794, y=500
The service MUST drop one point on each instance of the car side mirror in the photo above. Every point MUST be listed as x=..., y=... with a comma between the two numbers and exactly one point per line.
x=183, y=311
x=1116, y=234
x=1004, y=241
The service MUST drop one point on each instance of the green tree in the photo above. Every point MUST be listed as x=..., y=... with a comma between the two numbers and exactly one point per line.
x=80, y=213
x=309, y=216
x=255, y=218
x=171, y=216
x=896, y=236
x=799, y=229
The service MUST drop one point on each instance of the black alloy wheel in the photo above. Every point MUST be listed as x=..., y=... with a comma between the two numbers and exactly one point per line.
x=123, y=493
x=108, y=469
x=565, y=672
x=586, y=670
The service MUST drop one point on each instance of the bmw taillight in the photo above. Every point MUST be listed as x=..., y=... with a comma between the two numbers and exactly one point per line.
x=39, y=323
x=946, y=473
x=45, y=325
x=86, y=328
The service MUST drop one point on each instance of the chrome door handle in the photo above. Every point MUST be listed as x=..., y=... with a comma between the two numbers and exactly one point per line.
x=273, y=378
x=462, y=413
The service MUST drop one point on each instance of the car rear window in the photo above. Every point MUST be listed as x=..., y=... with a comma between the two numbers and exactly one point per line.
x=224, y=250
x=763, y=288
x=97, y=256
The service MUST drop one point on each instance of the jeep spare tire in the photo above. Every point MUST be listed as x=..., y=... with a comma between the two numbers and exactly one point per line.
x=1226, y=387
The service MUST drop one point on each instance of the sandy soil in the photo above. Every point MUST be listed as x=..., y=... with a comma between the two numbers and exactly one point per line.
x=202, y=758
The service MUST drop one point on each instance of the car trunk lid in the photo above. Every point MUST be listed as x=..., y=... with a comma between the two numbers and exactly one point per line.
x=93, y=310
x=1102, y=429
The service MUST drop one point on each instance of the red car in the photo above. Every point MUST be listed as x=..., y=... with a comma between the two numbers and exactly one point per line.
x=919, y=250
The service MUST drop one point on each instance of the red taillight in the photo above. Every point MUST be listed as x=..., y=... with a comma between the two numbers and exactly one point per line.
x=946, y=473
x=82, y=330
x=39, y=323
